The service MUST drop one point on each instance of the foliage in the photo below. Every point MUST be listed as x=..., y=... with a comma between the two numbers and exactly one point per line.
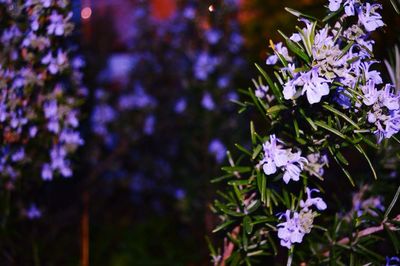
x=322, y=107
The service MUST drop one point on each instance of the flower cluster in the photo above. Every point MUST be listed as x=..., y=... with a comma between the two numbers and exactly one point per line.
x=299, y=223
x=276, y=156
x=39, y=84
x=336, y=61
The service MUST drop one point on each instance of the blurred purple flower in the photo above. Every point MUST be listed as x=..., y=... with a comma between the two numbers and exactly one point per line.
x=218, y=149
x=33, y=212
x=207, y=102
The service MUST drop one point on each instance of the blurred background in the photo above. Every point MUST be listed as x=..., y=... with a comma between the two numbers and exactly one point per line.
x=162, y=79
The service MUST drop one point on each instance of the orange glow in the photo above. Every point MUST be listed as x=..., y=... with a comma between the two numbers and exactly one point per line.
x=163, y=9
x=86, y=13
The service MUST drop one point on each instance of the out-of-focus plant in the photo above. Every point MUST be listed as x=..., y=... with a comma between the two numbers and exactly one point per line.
x=325, y=110
x=162, y=112
x=40, y=82
x=169, y=91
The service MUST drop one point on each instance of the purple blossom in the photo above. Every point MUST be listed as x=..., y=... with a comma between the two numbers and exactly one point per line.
x=213, y=36
x=33, y=212
x=298, y=224
x=57, y=25
x=280, y=49
x=179, y=193
x=218, y=149
x=204, y=65
x=369, y=18
x=180, y=106
x=149, y=125
x=317, y=202
x=207, y=102
x=68, y=136
x=19, y=155
x=290, y=232
x=276, y=156
x=312, y=84
x=47, y=172
x=392, y=261
x=334, y=5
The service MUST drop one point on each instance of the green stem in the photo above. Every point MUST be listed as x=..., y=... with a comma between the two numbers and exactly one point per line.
x=290, y=257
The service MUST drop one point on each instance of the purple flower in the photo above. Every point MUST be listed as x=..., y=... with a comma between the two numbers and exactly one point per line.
x=312, y=84
x=317, y=202
x=33, y=212
x=342, y=99
x=57, y=25
x=281, y=50
x=277, y=157
x=369, y=18
x=218, y=149
x=207, y=102
x=149, y=124
x=204, y=65
x=19, y=155
x=47, y=172
x=180, y=105
x=179, y=193
x=392, y=261
x=290, y=232
x=213, y=36
x=334, y=5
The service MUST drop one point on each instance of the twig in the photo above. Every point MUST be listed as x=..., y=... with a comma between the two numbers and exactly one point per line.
x=366, y=232
x=229, y=246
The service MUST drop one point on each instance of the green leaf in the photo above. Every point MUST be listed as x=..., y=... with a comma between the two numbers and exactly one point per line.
x=332, y=14
x=253, y=133
x=226, y=210
x=239, y=169
x=275, y=90
x=328, y=128
x=393, y=238
x=276, y=108
x=295, y=48
x=360, y=149
x=299, y=14
x=256, y=151
x=223, y=226
x=243, y=149
x=296, y=127
x=239, y=182
x=271, y=241
x=221, y=178
x=346, y=49
x=394, y=200
x=396, y=5
x=256, y=101
x=262, y=185
x=341, y=166
x=210, y=247
x=253, y=206
x=308, y=119
x=248, y=226
x=365, y=250
x=337, y=112
x=341, y=158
